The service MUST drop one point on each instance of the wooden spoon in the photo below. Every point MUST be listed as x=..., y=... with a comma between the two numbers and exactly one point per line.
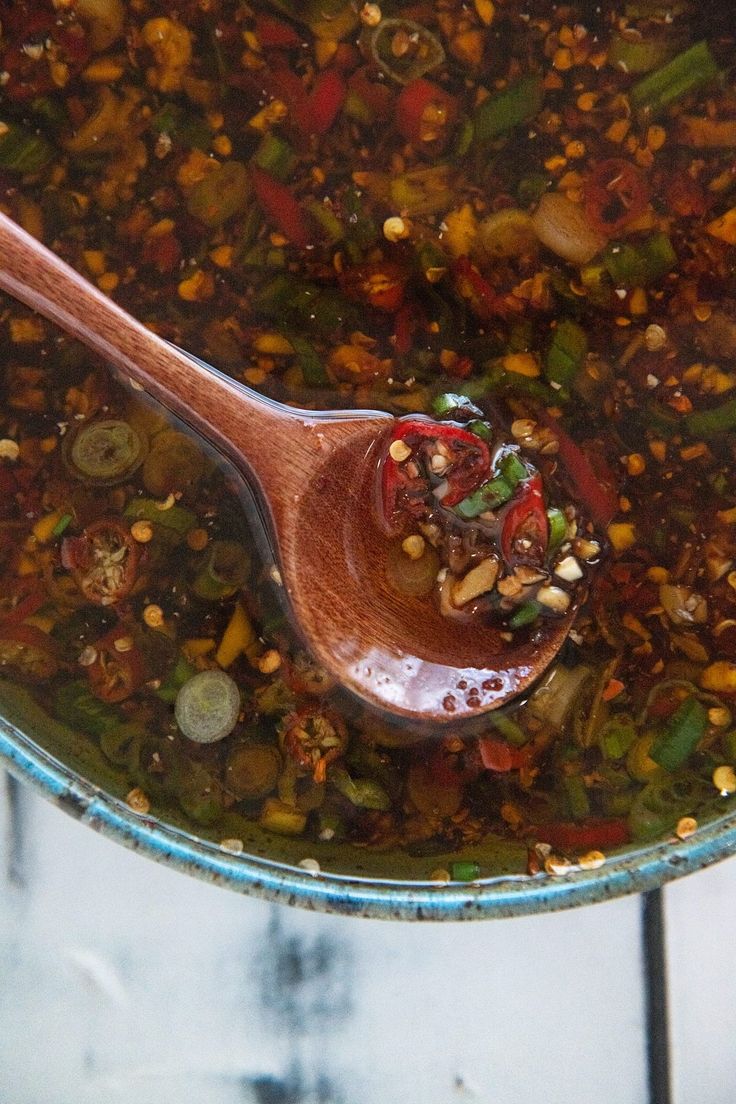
x=315, y=474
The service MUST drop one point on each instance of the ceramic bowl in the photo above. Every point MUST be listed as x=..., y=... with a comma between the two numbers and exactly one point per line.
x=382, y=885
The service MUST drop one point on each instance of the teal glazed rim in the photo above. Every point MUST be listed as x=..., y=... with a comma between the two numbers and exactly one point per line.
x=635, y=871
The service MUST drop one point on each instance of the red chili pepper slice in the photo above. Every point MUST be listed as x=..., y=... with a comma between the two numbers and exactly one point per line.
x=594, y=482
x=380, y=284
x=8, y=490
x=598, y=832
x=525, y=526
x=376, y=95
x=280, y=82
x=326, y=100
x=20, y=598
x=280, y=205
x=118, y=669
x=28, y=76
x=27, y=651
x=103, y=560
x=497, y=755
x=272, y=32
x=484, y=300
x=469, y=466
x=615, y=195
x=425, y=113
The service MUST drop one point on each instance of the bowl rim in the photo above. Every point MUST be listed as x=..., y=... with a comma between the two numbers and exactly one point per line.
x=644, y=868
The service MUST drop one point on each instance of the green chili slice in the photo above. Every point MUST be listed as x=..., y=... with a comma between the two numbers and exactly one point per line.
x=687, y=72
x=507, y=109
x=685, y=729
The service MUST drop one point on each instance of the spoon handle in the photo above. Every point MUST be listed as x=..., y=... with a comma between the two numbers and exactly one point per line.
x=230, y=415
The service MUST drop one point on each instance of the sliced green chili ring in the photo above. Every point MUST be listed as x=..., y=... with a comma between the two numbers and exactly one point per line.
x=104, y=452
x=637, y=54
x=424, y=191
x=310, y=361
x=684, y=731
x=76, y=705
x=22, y=151
x=464, y=871
x=709, y=423
x=275, y=156
x=326, y=219
x=448, y=402
x=223, y=571
x=640, y=265
x=252, y=770
x=207, y=707
x=62, y=524
x=577, y=796
x=690, y=70
x=221, y=194
x=424, y=50
x=480, y=429
x=526, y=614
x=173, y=523
x=512, y=469
x=183, y=128
x=182, y=672
x=504, y=110
x=492, y=494
x=566, y=354
x=174, y=463
x=557, y=528
x=365, y=793
x=616, y=736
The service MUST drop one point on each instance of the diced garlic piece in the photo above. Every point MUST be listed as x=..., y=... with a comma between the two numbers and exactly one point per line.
x=569, y=569
x=554, y=598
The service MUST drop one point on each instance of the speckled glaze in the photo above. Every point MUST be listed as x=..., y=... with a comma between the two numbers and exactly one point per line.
x=637, y=870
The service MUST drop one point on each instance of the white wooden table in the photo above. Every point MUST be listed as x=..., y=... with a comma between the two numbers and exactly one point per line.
x=122, y=981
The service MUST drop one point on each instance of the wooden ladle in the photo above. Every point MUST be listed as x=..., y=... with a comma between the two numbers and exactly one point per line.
x=315, y=474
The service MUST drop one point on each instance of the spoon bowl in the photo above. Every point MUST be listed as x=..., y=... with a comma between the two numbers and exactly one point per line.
x=315, y=475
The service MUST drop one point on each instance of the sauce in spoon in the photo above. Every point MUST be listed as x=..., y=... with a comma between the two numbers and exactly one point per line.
x=315, y=474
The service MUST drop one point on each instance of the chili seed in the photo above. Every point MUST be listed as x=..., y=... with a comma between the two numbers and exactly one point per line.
x=371, y=15
x=9, y=450
x=269, y=662
x=197, y=539
x=441, y=876
x=153, y=616
x=724, y=780
x=310, y=865
x=396, y=229
x=685, y=827
x=166, y=503
x=591, y=860
x=413, y=546
x=138, y=801
x=556, y=865
x=87, y=656
x=464, y=871
x=141, y=531
x=233, y=845
x=123, y=644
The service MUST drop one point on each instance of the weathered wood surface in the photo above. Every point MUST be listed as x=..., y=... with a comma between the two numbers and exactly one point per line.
x=122, y=981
